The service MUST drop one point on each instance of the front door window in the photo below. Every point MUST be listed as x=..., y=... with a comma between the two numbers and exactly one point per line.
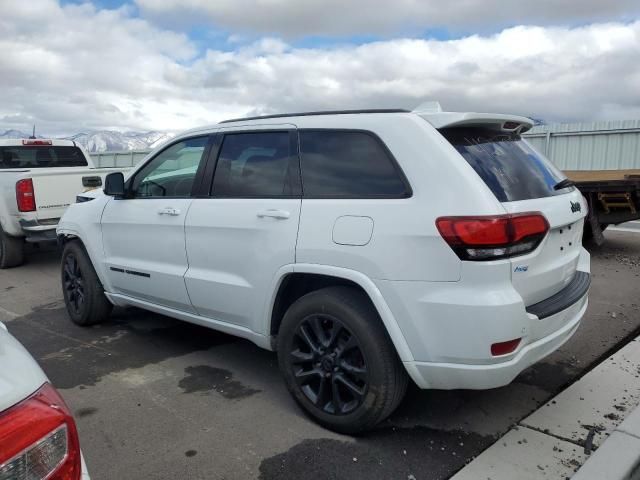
x=172, y=172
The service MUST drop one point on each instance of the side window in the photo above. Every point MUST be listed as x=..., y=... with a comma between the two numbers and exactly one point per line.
x=349, y=164
x=256, y=164
x=172, y=172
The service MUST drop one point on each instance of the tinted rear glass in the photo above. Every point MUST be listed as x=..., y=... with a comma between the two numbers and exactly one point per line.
x=507, y=164
x=41, y=157
x=349, y=164
x=256, y=165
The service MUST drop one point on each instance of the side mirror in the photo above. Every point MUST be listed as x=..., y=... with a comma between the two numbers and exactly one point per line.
x=114, y=184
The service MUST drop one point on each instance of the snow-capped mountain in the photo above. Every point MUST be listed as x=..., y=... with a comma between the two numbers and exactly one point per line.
x=107, y=140
x=14, y=134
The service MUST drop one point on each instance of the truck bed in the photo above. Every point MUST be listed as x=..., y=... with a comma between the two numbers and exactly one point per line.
x=580, y=176
x=613, y=197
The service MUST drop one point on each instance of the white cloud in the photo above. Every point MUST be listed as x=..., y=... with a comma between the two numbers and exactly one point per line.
x=75, y=67
x=291, y=18
x=79, y=67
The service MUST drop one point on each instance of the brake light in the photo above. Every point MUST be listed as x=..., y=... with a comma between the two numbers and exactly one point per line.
x=37, y=142
x=493, y=237
x=510, y=125
x=25, y=196
x=38, y=439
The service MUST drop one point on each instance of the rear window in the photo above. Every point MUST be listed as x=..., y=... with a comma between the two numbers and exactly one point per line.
x=507, y=164
x=41, y=157
x=348, y=164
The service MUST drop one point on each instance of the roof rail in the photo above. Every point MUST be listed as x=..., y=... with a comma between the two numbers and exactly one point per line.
x=326, y=112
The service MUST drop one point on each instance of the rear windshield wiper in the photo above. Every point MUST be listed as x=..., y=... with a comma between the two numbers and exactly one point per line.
x=563, y=184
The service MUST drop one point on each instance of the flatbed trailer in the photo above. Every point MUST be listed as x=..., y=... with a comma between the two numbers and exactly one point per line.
x=613, y=197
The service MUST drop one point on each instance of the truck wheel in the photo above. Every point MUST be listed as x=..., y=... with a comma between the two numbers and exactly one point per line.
x=588, y=236
x=11, y=250
x=82, y=291
x=338, y=361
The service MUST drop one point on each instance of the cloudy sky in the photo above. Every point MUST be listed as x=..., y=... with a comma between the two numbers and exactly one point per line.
x=74, y=65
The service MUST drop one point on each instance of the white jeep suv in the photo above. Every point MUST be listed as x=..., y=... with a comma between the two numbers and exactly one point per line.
x=365, y=247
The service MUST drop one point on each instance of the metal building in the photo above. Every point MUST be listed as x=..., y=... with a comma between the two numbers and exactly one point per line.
x=608, y=145
x=118, y=159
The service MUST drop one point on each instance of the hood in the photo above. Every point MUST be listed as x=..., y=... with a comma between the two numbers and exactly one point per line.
x=20, y=375
x=93, y=193
x=90, y=195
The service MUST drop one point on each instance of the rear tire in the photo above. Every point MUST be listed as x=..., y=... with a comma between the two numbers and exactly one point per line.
x=82, y=291
x=338, y=362
x=11, y=250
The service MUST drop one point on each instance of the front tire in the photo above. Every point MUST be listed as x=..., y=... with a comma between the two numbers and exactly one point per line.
x=338, y=361
x=11, y=250
x=82, y=291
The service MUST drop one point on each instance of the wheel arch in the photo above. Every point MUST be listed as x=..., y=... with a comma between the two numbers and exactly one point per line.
x=65, y=236
x=305, y=278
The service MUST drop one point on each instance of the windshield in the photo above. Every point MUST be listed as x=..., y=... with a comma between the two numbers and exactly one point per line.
x=509, y=166
x=41, y=157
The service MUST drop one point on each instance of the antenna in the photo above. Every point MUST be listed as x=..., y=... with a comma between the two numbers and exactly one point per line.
x=33, y=135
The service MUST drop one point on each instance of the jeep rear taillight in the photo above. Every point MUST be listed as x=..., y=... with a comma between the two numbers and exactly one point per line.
x=39, y=440
x=493, y=237
x=25, y=197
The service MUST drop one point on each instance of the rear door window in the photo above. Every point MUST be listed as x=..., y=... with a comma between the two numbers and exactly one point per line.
x=257, y=164
x=506, y=163
x=348, y=164
x=41, y=157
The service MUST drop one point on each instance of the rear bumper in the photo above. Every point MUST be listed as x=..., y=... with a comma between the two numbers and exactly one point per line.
x=574, y=291
x=450, y=326
x=39, y=231
x=479, y=377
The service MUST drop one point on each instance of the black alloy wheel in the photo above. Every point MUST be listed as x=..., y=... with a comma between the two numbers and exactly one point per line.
x=338, y=361
x=328, y=365
x=82, y=291
x=73, y=283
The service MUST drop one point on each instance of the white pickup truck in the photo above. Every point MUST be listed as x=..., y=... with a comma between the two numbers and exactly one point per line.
x=39, y=179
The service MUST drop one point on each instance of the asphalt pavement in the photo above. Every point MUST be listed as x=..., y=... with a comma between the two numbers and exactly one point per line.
x=156, y=398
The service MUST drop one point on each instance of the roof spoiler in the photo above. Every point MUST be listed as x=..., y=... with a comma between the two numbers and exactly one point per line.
x=506, y=123
x=432, y=112
x=428, y=107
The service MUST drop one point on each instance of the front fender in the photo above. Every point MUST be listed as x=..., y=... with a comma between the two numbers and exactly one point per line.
x=82, y=221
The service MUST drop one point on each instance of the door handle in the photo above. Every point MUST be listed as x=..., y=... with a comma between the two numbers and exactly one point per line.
x=169, y=211
x=273, y=213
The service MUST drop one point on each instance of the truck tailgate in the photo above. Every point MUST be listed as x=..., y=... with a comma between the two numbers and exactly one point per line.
x=55, y=191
